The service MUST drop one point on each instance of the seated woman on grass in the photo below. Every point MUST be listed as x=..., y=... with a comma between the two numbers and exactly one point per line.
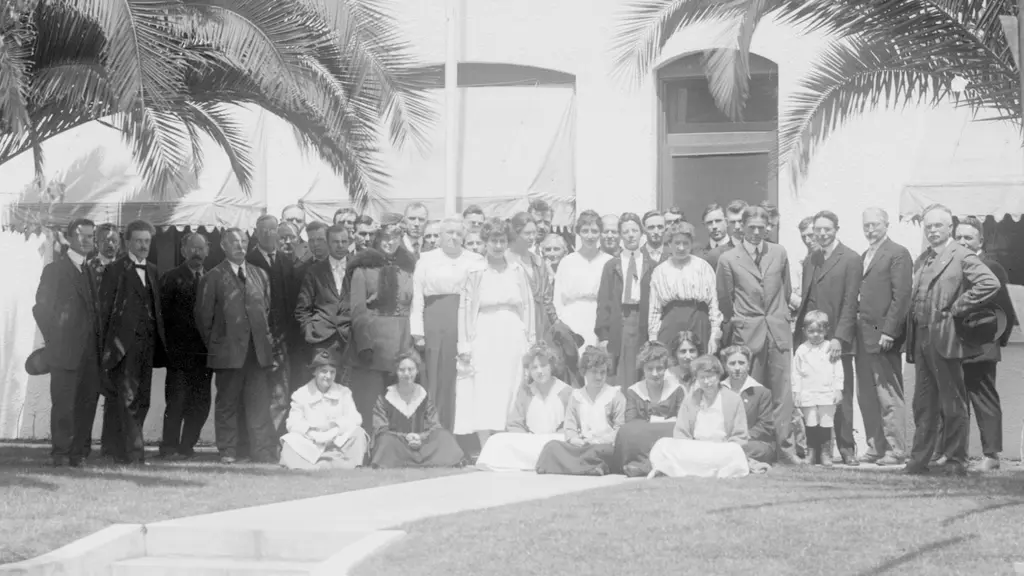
x=536, y=418
x=593, y=417
x=324, y=428
x=406, y=431
x=710, y=430
x=651, y=408
x=757, y=403
x=686, y=347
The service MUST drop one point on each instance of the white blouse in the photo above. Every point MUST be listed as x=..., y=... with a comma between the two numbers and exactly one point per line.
x=576, y=285
x=710, y=423
x=695, y=280
x=437, y=274
x=816, y=379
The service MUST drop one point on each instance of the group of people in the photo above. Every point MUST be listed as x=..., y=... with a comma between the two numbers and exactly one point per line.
x=636, y=352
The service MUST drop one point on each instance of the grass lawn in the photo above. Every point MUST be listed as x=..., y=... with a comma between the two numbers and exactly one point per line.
x=790, y=521
x=43, y=508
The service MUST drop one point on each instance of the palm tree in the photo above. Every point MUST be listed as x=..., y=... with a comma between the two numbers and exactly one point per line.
x=882, y=53
x=166, y=71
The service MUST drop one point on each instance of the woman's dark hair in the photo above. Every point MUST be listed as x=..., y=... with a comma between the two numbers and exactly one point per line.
x=594, y=358
x=651, y=352
x=731, y=350
x=547, y=355
x=494, y=227
x=687, y=336
x=413, y=355
x=517, y=223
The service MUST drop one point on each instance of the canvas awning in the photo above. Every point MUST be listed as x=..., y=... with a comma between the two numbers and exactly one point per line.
x=93, y=169
x=997, y=199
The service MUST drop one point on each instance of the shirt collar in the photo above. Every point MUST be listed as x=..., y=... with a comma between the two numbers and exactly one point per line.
x=76, y=258
x=336, y=263
x=406, y=408
x=754, y=247
x=668, y=388
x=266, y=255
x=749, y=383
x=135, y=260
x=234, y=267
x=877, y=243
x=335, y=392
x=722, y=242
x=932, y=248
x=827, y=252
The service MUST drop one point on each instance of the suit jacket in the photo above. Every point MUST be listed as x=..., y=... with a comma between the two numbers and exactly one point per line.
x=885, y=297
x=990, y=352
x=956, y=282
x=67, y=314
x=322, y=308
x=609, y=301
x=832, y=286
x=757, y=406
x=711, y=255
x=185, y=348
x=229, y=313
x=283, y=291
x=755, y=302
x=118, y=319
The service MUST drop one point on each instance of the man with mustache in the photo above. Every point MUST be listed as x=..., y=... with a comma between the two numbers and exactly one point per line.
x=133, y=340
x=108, y=244
x=187, y=388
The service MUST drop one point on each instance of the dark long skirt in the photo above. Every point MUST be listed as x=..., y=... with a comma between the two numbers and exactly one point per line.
x=564, y=458
x=634, y=441
x=439, y=450
x=366, y=385
x=441, y=324
x=679, y=315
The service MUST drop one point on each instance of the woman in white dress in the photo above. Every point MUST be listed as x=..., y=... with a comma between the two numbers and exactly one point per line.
x=437, y=287
x=579, y=278
x=710, y=432
x=496, y=326
x=537, y=416
x=684, y=294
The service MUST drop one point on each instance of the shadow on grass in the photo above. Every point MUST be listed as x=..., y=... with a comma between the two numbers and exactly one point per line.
x=916, y=553
x=981, y=510
x=24, y=481
x=38, y=478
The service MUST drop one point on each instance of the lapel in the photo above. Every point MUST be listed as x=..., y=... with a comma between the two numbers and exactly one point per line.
x=830, y=262
x=747, y=261
x=878, y=254
x=78, y=279
x=617, y=270
x=133, y=277
x=256, y=258
x=940, y=263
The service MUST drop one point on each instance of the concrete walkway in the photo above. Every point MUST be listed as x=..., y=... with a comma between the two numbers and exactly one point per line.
x=397, y=504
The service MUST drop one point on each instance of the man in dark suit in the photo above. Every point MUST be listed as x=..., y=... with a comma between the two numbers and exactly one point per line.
x=323, y=310
x=67, y=316
x=283, y=294
x=736, y=233
x=108, y=248
x=134, y=340
x=623, y=301
x=654, y=230
x=831, y=284
x=949, y=282
x=232, y=315
x=753, y=294
x=718, y=234
x=187, y=388
x=302, y=353
x=881, y=321
x=980, y=370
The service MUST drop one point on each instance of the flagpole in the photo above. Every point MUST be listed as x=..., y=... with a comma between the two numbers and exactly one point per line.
x=451, y=100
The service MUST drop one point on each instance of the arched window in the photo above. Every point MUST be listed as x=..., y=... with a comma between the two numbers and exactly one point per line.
x=706, y=157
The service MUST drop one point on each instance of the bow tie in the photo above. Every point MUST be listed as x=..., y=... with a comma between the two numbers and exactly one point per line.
x=139, y=266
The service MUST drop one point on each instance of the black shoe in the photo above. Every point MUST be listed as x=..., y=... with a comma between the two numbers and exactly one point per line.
x=849, y=459
x=76, y=462
x=914, y=470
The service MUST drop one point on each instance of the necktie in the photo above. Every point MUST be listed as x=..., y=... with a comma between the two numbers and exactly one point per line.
x=196, y=277
x=241, y=275
x=758, y=252
x=630, y=277
x=272, y=259
x=140, y=267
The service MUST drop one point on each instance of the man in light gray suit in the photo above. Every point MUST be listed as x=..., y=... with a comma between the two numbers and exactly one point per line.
x=881, y=321
x=949, y=282
x=753, y=294
x=232, y=311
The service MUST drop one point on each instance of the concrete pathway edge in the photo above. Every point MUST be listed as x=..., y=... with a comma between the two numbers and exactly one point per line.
x=88, y=556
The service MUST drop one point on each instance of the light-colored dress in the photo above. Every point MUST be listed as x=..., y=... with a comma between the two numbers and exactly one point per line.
x=534, y=421
x=596, y=421
x=816, y=379
x=496, y=327
x=694, y=281
x=707, y=441
x=576, y=285
x=313, y=410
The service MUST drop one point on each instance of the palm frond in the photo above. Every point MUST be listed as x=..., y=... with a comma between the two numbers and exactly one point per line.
x=160, y=145
x=216, y=121
x=728, y=69
x=15, y=69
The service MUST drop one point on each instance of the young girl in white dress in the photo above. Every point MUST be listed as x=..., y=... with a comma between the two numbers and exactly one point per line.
x=817, y=387
x=537, y=416
x=579, y=278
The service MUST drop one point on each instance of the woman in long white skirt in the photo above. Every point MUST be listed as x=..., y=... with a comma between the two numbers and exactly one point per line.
x=579, y=278
x=710, y=431
x=537, y=416
x=496, y=321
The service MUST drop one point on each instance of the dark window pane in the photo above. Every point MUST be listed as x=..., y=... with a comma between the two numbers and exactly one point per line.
x=690, y=103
